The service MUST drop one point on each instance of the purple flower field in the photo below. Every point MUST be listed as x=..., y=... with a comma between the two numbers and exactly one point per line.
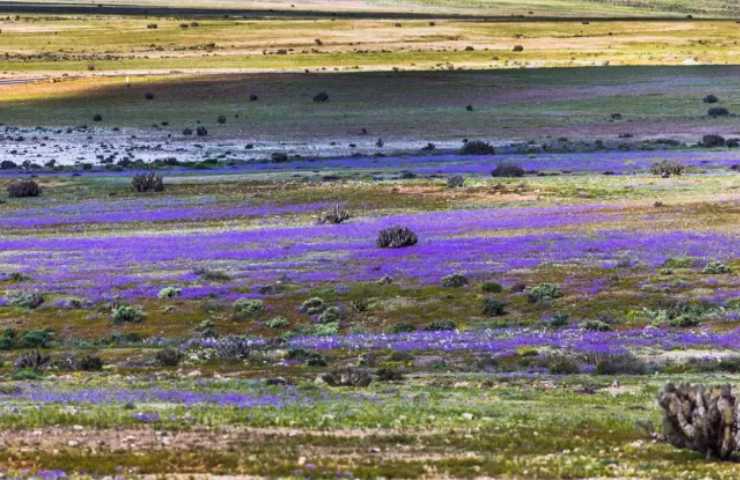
x=160, y=210
x=102, y=396
x=475, y=242
x=508, y=341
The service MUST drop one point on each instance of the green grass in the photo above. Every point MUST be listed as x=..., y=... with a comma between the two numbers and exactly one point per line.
x=511, y=104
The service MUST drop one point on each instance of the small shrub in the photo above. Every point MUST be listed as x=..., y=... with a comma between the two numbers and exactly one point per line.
x=169, y=292
x=221, y=119
x=321, y=97
x=477, y=147
x=388, y=374
x=90, y=363
x=8, y=339
x=201, y=131
x=667, y=168
x=441, y=326
x=277, y=323
x=455, y=182
x=493, y=307
x=561, y=365
x=279, y=157
x=679, y=262
x=455, y=280
x=624, y=364
x=26, y=300
x=34, y=361
x=402, y=327
x=597, y=326
x=715, y=267
x=710, y=99
x=248, y=307
x=518, y=48
x=206, y=329
x=168, y=357
x=330, y=315
x=715, y=112
x=23, y=188
x=544, y=292
x=312, y=359
x=396, y=237
x=212, y=275
x=348, y=377
x=507, y=170
x=313, y=306
x=35, y=339
x=150, y=182
x=491, y=287
x=713, y=141
x=559, y=320
x=335, y=216
x=127, y=314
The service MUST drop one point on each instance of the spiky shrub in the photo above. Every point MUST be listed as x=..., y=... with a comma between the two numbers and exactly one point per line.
x=127, y=314
x=508, y=170
x=150, y=182
x=699, y=418
x=477, y=147
x=493, y=307
x=35, y=361
x=544, y=292
x=335, y=216
x=248, y=307
x=168, y=357
x=715, y=267
x=169, y=292
x=455, y=280
x=396, y=237
x=23, y=188
x=29, y=300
